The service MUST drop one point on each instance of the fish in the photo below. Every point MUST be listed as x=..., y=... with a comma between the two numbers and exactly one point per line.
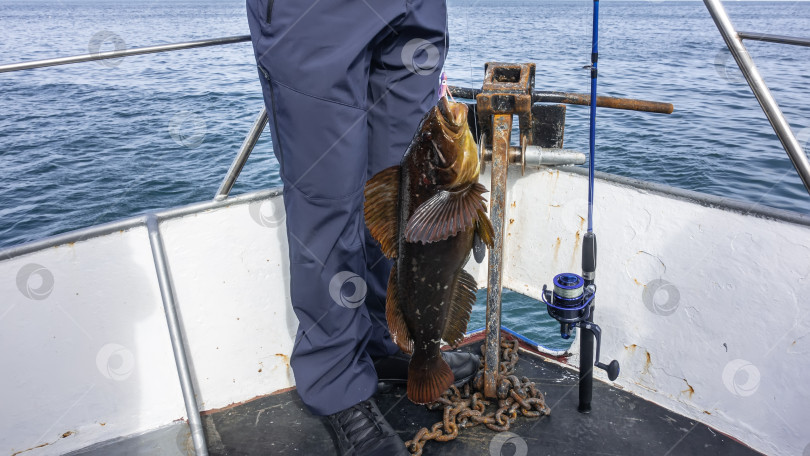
x=427, y=213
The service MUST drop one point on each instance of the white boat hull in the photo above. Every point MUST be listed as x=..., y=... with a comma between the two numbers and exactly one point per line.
x=88, y=355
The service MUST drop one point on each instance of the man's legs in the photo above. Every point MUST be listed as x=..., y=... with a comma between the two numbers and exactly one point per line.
x=314, y=56
x=346, y=84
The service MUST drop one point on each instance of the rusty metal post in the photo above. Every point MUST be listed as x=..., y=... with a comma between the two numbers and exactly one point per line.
x=507, y=91
x=501, y=135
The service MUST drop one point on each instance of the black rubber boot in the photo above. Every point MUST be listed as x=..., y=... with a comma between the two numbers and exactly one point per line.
x=394, y=369
x=363, y=431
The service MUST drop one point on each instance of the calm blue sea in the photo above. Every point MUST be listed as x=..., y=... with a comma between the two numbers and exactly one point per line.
x=99, y=141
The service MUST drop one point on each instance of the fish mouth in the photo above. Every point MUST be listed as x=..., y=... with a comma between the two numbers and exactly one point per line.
x=454, y=115
x=460, y=160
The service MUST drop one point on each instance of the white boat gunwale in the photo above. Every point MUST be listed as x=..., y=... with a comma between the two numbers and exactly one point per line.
x=703, y=199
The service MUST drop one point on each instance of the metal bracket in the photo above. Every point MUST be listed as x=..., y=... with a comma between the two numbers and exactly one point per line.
x=507, y=91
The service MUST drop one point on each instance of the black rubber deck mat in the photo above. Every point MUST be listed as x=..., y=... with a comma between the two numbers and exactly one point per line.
x=619, y=424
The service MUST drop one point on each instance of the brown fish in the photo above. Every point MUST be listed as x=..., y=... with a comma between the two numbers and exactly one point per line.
x=426, y=213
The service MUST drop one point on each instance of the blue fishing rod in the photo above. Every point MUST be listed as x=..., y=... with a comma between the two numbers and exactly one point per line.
x=572, y=300
x=592, y=136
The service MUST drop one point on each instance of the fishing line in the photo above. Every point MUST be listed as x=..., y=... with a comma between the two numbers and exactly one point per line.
x=446, y=31
x=469, y=54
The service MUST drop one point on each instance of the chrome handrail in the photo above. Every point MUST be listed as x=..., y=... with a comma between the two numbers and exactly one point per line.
x=781, y=39
x=241, y=157
x=760, y=89
x=122, y=53
x=167, y=295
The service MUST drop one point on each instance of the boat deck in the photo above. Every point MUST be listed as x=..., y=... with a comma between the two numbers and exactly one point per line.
x=619, y=424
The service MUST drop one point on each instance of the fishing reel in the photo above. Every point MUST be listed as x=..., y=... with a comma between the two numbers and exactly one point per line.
x=570, y=303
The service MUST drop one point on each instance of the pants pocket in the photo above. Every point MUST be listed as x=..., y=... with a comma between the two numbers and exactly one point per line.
x=324, y=145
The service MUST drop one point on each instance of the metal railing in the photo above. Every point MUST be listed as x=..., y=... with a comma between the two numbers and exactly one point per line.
x=167, y=295
x=32, y=64
x=781, y=39
x=734, y=41
x=241, y=157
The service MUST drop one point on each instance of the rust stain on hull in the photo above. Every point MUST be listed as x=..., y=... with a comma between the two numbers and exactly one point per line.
x=284, y=358
x=63, y=436
x=557, y=249
x=32, y=448
x=647, y=364
x=236, y=404
x=690, y=391
x=578, y=240
x=576, y=248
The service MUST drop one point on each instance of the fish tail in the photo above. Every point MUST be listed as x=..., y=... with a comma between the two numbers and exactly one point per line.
x=428, y=378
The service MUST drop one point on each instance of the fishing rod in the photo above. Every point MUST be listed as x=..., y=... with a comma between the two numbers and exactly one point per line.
x=572, y=300
x=592, y=133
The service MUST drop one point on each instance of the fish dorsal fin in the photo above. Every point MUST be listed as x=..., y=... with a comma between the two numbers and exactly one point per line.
x=393, y=313
x=460, y=308
x=381, y=209
x=446, y=214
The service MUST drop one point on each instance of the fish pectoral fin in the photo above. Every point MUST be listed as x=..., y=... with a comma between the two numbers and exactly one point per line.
x=381, y=209
x=447, y=214
x=393, y=313
x=484, y=229
x=460, y=308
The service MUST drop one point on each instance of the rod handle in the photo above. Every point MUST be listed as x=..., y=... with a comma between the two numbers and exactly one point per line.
x=589, y=255
x=612, y=369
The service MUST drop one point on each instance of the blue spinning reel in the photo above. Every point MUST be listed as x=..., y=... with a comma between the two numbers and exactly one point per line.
x=570, y=303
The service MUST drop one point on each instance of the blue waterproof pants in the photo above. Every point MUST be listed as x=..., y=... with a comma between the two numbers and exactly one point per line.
x=346, y=83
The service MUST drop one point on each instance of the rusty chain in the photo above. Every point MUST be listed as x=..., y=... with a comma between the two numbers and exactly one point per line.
x=466, y=407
